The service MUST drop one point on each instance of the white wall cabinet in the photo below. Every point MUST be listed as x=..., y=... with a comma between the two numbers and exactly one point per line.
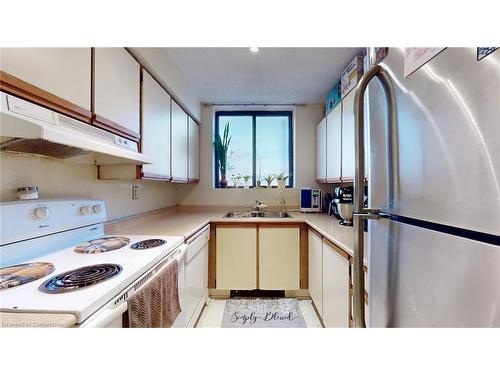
x=180, y=144
x=155, y=128
x=63, y=72
x=117, y=89
x=193, y=150
x=336, y=283
x=348, y=156
x=279, y=258
x=321, y=151
x=236, y=258
x=316, y=270
x=334, y=144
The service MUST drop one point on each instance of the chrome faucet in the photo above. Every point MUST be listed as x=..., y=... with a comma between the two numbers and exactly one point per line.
x=283, y=207
x=259, y=205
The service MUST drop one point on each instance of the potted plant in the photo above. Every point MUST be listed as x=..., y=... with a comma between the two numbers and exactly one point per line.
x=236, y=180
x=281, y=178
x=246, y=179
x=221, y=147
x=269, y=179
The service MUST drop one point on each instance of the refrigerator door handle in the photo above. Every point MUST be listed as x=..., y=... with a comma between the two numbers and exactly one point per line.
x=368, y=213
x=361, y=213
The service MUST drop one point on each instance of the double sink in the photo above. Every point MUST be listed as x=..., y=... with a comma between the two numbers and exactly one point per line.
x=263, y=214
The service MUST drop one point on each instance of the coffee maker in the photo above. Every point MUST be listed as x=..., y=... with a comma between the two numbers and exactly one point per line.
x=343, y=200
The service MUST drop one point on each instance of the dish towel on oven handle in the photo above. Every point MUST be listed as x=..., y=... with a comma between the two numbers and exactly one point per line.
x=156, y=304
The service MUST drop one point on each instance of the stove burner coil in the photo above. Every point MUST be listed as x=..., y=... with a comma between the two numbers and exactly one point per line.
x=147, y=244
x=80, y=278
x=102, y=245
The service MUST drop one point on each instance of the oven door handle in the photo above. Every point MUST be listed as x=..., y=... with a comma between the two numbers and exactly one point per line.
x=106, y=317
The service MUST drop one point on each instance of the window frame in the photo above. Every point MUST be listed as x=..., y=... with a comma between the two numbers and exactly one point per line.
x=254, y=115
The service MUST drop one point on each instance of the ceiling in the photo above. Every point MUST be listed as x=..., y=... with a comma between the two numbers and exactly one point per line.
x=272, y=75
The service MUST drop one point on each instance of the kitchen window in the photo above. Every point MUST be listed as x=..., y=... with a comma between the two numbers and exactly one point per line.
x=261, y=145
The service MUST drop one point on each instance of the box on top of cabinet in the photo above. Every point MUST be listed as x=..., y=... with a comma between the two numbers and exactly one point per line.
x=334, y=97
x=351, y=75
x=367, y=61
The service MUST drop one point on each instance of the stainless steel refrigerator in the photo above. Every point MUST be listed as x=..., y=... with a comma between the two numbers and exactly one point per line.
x=434, y=191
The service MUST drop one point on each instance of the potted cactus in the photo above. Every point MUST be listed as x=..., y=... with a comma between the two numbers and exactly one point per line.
x=281, y=178
x=221, y=148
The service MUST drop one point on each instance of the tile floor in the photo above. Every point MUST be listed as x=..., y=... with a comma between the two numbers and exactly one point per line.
x=212, y=314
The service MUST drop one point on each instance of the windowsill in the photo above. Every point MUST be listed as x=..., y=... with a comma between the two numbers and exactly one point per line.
x=251, y=188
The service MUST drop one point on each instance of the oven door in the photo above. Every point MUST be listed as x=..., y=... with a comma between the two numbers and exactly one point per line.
x=110, y=316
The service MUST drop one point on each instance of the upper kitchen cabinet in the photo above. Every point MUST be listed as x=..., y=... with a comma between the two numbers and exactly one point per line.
x=321, y=151
x=348, y=156
x=117, y=92
x=180, y=144
x=155, y=140
x=57, y=78
x=194, y=151
x=334, y=144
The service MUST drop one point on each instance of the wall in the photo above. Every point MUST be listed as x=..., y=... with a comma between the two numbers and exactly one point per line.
x=158, y=62
x=61, y=179
x=306, y=118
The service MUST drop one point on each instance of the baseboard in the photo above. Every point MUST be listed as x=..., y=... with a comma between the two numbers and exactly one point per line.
x=219, y=293
x=197, y=312
x=225, y=294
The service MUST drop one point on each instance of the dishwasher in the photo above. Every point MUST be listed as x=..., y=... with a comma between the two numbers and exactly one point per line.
x=196, y=275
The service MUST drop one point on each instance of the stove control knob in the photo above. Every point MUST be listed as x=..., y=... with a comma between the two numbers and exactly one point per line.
x=97, y=208
x=42, y=212
x=85, y=210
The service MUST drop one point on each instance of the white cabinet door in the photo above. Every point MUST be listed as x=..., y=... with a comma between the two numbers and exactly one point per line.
x=236, y=258
x=179, y=144
x=321, y=150
x=279, y=258
x=117, y=88
x=316, y=270
x=155, y=128
x=336, y=298
x=194, y=150
x=63, y=72
x=348, y=136
x=334, y=144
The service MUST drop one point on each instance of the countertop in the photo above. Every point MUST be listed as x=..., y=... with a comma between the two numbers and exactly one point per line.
x=186, y=221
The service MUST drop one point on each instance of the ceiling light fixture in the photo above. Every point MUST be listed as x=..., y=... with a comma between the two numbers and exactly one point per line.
x=254, y=49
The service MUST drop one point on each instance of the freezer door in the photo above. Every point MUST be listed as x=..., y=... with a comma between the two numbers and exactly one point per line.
x=425, y=278
x=448, y=129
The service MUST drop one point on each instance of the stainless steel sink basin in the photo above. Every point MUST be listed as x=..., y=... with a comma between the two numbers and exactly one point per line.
x=263, y=214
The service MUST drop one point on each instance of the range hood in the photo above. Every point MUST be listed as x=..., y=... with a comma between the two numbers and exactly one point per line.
x=29, y=128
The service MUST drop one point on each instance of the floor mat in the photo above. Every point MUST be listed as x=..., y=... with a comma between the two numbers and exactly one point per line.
x=262, y=313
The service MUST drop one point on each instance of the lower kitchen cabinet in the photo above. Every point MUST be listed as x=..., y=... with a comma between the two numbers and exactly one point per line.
x=316, y=270
x=236, y=257
x=279, y=258
x=336, y=283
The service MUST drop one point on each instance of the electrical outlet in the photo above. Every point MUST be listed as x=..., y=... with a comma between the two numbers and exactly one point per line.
x=135, y=192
